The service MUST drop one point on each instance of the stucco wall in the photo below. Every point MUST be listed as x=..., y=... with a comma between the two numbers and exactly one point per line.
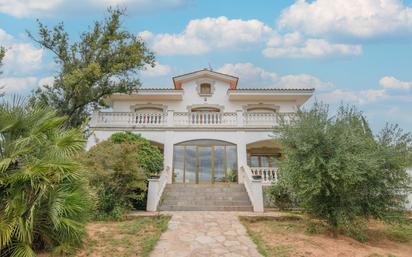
x=191, y=97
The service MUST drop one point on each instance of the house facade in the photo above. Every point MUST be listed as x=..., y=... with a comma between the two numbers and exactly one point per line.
x=209, y=130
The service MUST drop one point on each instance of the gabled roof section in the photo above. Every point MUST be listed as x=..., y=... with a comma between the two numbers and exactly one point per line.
x=178, y=80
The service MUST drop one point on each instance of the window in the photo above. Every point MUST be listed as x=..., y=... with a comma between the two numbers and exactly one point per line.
x=263, y=160
x=205, y=89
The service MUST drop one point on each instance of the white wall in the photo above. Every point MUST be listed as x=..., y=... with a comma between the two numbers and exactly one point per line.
x=170, y=138
x=191, y=97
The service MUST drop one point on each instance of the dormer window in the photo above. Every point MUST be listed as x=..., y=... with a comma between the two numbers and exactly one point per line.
x=205, y=89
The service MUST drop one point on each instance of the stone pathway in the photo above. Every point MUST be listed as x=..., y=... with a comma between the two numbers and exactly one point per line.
x=198, y=234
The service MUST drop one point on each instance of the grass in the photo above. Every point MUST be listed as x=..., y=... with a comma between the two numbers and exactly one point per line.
x=265, y=248
x=135, y=237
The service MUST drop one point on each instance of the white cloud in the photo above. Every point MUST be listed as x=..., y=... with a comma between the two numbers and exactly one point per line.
x=17, y=84
x=30, y=8
x=295, y=46
x=21, y=84
x=20, y=57
x=46, y=81
x=357, y=97
x=202, y=35
x=393, y=83
x=303, y=81
x=251, y=76
x=156, y=71
x=359, y=18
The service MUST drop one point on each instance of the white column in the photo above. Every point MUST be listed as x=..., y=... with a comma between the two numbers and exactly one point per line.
x=168, y=153
x=241, y=153
x=152, y=192
x=256, y=187
x=239, y=117
x=169, y=119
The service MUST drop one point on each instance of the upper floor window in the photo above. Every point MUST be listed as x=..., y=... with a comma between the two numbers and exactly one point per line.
x=205, y=89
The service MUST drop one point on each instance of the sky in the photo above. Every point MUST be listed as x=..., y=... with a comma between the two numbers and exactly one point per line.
x=351, y=51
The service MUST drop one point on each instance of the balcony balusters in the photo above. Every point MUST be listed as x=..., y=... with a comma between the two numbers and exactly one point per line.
x=185, y=119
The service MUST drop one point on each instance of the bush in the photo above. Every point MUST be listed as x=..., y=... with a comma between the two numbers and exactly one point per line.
x=340, y=172
x=281, y=196
x=150, y=158
x=116, y=177
x=118, y=170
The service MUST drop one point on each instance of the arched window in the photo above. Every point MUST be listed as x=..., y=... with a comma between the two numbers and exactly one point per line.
x=204, y=161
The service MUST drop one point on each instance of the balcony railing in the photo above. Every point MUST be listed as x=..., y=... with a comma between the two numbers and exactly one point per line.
x=186, y=119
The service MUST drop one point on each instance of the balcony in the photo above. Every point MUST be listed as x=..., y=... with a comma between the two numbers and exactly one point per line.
x=187, y=119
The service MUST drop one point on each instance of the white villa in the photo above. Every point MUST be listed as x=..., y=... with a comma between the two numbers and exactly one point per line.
x=210, y=131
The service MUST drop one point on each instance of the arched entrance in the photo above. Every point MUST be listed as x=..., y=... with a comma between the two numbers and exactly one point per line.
x=204, y=161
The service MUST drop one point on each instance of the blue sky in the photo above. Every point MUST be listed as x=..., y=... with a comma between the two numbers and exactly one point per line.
x=352, y=51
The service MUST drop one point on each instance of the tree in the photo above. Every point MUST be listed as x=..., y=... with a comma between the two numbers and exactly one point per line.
x=339, y=171
x=2, y=54
x=43, y=191
x=104, y=61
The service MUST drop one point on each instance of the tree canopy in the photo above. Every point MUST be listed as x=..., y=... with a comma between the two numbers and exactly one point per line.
x=339, y=171
x=2, y=53
x=105, y=60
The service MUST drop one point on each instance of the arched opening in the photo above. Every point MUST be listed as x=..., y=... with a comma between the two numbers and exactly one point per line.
x=265, y=153
x=205, y=109
x=148, y=110
x=204, y=161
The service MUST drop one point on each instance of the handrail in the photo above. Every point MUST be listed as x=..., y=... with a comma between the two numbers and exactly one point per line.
x=155, y=189
x=253, y=189
x=269, y=174
x=187, y=119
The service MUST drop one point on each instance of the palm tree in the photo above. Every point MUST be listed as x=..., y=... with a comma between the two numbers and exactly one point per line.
x=44, y=201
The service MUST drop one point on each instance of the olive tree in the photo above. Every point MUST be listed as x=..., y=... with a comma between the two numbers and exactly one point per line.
x=340, y=171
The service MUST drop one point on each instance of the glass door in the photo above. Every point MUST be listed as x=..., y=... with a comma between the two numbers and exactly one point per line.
x=205, y=164
x=204, y=161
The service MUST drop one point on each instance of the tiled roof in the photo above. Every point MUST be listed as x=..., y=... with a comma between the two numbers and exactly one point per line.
x=272, y=89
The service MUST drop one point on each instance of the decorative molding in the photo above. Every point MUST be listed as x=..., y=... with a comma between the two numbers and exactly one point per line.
x=247, y=107
x=148, y=105
x=205, y=81
x=195, y=106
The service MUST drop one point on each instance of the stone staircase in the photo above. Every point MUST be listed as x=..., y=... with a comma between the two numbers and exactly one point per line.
x=210, y=197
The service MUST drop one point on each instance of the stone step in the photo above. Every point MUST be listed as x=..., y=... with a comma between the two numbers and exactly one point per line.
x=211, y=197
x=205, y=190
x=204, y=208
x=207, y=197
x=206, y=203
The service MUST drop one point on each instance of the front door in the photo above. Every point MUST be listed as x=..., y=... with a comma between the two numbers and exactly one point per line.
x=204, y=161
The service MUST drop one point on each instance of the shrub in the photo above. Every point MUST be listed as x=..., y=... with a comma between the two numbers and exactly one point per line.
x=150, y=158
x=44, y=198
x=340, y=171
x=116, y=176
x=281, y=196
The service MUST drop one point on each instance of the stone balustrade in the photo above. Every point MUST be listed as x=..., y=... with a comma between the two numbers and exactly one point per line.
x=186, y=119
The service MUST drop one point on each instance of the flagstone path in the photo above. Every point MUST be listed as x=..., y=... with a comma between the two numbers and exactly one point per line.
x=198, y=234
